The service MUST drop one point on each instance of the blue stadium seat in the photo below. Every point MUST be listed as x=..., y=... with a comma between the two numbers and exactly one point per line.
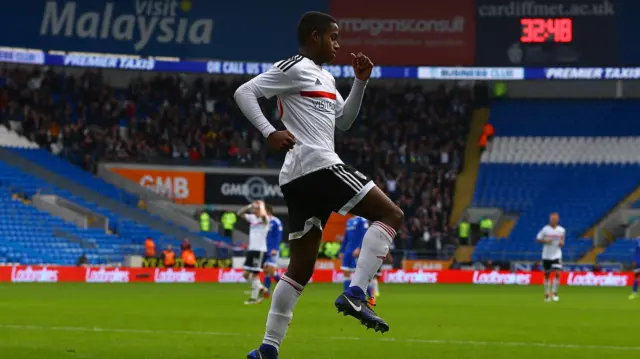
x=554, y=156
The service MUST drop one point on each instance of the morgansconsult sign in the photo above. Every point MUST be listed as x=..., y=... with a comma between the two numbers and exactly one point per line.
x=39, y=274
x=407, y=32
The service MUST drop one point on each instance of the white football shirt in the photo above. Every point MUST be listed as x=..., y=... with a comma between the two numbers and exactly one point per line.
x=309, y=103
x=258, y=228
x=553, y=250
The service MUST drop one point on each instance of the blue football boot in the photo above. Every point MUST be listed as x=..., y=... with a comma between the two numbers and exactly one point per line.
x=264, y=352
x=354, y=303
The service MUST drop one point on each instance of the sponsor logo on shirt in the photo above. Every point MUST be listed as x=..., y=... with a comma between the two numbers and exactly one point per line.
x=324, y=106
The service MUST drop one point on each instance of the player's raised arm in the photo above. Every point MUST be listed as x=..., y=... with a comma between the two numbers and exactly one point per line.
x=268, y=84
x=347, y=113
x=244, y=212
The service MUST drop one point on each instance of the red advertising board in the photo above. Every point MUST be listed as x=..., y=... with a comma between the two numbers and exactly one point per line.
x=38, y=274
x=407, y=32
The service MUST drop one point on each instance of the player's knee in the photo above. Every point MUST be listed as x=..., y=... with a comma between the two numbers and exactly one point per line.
x=301, y=276
x=394, y=218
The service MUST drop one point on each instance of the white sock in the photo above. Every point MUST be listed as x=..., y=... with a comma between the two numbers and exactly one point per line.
x=546, y=286
x=374, y=286
x=255, y=286
x=284, y=299
x=375, y=246
x=555, y=285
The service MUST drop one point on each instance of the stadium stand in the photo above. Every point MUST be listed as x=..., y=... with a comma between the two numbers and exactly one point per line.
x=30, y=236
x=410, y=141
x=621, y=251
x=577, y=158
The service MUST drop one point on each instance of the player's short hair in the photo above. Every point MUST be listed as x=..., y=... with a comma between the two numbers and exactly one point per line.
x=269, y=208
x=313, y=21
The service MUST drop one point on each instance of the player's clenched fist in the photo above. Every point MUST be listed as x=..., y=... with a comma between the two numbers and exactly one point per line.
x=281, y=140
x=362, y=66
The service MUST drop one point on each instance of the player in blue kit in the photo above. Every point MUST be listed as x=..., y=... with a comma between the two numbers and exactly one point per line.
x=350, y=250
x=274, y=238
x=636, y=260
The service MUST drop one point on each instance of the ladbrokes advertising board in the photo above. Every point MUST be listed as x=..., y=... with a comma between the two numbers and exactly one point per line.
x=38, y=274
x=184, y=187
x=406, y=32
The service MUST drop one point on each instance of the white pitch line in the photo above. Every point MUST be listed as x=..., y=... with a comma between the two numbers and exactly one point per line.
x=392, y=340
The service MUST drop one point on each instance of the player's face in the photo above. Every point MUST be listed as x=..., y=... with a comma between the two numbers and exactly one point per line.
x=329, y=45
x=554, y=219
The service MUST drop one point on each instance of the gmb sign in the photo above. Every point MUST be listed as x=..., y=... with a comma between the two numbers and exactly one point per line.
x=240, y=189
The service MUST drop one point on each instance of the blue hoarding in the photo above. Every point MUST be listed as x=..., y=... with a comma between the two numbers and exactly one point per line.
x=247, y=30
x=547, y=33
x=627, y=21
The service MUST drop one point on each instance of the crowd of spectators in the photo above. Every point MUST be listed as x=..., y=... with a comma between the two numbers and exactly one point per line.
x=409, y=140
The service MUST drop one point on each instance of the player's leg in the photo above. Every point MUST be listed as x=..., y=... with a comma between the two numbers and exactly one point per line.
x=555, y=284
x=547, y=282
x=256, y=289
x=386, y=218
x=246, y=274
x=348, y=266
x=303, y=254
x=270, y=267
x=361, y=197
x=557, y=268
x=374, y=283
x=547, y=285
x=305, y=221
x=253, y=265
x=267, y=278
x=347, y=279
x=270, y=274
x=634, y=293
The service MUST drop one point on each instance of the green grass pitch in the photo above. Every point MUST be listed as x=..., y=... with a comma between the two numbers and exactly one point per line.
x=138, y=321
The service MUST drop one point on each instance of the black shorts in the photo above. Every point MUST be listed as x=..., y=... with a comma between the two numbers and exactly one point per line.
x=313, y=197
x=254, y=261
x=551, y=264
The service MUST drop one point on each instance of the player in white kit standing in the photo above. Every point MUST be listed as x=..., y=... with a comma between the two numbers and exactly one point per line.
x=256, y=215
x=314, y=180
x=552, y=237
